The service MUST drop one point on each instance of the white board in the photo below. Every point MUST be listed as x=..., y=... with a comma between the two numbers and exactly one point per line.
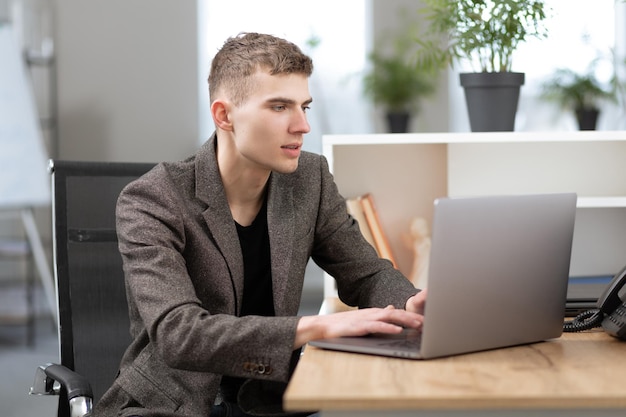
x=24, y=178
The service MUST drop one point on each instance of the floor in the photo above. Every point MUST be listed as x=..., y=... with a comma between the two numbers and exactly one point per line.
x=18, y=361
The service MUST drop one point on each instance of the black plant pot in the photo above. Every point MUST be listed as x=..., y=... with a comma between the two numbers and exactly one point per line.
x=398, y=122
x=587, y=118
x=492, y=99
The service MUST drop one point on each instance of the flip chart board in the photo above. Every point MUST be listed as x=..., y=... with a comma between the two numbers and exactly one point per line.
x=24, y=178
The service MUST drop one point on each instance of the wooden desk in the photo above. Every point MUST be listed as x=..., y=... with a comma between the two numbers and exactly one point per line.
x=578, y=374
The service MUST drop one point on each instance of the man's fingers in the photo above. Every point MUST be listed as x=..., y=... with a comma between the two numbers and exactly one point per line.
x=399, y=317
x=370, y=320
x=383, y=327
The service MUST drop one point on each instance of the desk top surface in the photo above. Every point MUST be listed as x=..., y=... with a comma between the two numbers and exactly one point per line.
x=577, y=370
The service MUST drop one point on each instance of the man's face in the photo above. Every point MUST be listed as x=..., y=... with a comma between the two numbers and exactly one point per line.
x=268, y=128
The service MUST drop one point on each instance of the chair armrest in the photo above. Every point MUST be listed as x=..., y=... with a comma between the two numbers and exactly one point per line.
x=51, y=378
x=74, y=384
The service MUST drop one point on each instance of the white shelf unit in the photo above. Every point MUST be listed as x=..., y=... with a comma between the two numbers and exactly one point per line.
x=407, y=172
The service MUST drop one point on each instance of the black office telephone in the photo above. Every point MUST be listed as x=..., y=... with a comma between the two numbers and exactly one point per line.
x=610, y=314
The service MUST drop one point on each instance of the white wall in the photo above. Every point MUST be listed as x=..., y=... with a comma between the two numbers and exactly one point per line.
x=127, y=79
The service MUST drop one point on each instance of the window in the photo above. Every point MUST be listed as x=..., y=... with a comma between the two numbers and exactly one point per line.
x=578, y=32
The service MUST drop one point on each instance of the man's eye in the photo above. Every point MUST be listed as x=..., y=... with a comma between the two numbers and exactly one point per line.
x=278, y=108
x=306, y=108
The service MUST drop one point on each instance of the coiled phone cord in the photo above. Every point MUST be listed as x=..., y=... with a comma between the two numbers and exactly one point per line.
x=584, y=321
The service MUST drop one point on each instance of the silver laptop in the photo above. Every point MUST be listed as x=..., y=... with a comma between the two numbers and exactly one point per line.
x=498, y=277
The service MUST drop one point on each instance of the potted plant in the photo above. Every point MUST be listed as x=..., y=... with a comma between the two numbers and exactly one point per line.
x=396, y=83
x=484, y=33
x=580, y=93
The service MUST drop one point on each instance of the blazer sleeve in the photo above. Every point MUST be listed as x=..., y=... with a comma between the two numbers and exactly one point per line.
x=363, y=279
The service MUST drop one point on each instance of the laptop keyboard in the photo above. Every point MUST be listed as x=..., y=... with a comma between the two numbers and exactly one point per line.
x=408, y=339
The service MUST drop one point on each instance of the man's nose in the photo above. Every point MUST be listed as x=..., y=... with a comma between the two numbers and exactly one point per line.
x=300, y=123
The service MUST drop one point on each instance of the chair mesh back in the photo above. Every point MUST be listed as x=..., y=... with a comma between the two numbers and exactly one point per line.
x=93, y=313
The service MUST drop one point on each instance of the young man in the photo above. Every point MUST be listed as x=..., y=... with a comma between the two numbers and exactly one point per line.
x=215, y=248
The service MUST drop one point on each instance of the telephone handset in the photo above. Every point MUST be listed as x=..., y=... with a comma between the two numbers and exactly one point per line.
x=610, y=314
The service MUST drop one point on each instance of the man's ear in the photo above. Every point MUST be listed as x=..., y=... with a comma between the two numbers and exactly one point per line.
x=220, y=113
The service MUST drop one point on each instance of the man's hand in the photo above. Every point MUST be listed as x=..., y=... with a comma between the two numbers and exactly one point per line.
x=416, y=303
x=356, y=323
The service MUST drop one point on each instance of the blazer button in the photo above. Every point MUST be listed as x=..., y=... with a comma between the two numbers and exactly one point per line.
x=264, y=369
x=257, y=368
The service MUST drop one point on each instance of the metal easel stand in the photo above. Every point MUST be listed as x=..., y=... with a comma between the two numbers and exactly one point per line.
x=39, y=257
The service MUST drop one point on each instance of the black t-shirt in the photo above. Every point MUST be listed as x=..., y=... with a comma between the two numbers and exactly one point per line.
x=255, y=246
x=258, y=298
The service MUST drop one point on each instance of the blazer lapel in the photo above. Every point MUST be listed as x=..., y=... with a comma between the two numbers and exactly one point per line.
x=281, y=226
x=280, y=221
x=219, y=220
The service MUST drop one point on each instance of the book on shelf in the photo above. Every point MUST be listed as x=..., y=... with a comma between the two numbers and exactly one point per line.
x=363, y=209
x=356, y=210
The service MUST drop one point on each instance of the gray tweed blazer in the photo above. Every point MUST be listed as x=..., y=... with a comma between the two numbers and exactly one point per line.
x=184, y=281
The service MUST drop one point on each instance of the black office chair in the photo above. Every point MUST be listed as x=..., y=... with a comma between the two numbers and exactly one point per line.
x=92, y=308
